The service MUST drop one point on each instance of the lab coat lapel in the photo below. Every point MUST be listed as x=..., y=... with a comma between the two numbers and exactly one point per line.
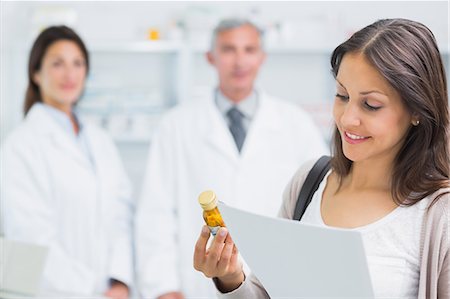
x=263, y=128
x=217, y=134
x=38, y=118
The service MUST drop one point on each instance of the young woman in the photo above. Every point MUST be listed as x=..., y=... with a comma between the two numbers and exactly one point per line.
x=390, y=167
x=64, y=185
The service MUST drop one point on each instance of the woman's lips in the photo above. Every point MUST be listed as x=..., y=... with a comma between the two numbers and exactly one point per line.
x=354, y=138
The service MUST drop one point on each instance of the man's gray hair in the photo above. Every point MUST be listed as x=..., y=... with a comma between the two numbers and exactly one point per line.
x=231, y=23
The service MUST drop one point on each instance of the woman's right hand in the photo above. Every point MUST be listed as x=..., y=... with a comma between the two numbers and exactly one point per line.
x=220, y=260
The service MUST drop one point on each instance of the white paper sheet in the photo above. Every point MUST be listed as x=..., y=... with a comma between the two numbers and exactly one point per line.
x=295, y=260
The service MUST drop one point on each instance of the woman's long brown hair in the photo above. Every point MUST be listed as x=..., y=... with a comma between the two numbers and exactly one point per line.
x=406, y=54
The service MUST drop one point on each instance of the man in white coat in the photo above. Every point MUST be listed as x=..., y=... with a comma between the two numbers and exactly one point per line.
x=239, y=142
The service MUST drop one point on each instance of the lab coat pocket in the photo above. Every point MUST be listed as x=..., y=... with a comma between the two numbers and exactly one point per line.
x=388, y=276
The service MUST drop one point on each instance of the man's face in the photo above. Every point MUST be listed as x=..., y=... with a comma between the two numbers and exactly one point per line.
x=237, y=56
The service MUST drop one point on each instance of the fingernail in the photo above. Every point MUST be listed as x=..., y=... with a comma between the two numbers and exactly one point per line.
x=223, y=232
x=205, y=230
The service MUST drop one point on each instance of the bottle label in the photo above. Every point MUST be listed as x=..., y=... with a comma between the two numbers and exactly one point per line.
x=214, y=229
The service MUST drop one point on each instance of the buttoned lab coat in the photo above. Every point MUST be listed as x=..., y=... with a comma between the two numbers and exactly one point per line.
x=54, y=196
x=192, y=151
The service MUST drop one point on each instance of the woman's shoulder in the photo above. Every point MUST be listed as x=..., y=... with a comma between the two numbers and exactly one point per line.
x=439, y=206
x=301, y=174
x=24, y=146
x=293, y=188
x=437, y=220
x=22, y=136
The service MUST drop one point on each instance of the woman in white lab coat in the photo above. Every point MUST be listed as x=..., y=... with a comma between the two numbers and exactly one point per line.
x=64, y=185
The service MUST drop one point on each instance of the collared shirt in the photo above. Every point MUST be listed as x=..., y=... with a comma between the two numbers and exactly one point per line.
x=247, y=106
x=80, y=139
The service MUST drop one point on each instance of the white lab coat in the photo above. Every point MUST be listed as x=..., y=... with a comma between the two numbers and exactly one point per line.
x=52, y=195
x=192, y=151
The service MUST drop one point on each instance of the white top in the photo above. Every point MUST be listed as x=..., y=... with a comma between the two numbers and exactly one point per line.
x=392, y=246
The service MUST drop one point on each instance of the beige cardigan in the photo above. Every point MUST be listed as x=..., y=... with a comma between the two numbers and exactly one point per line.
x=435, y=246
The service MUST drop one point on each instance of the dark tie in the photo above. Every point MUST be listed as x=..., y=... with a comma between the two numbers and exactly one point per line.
x=236, y=127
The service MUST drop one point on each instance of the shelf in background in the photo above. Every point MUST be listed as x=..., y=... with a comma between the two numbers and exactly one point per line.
x=162, y=46
x=132, y=140
x=277, y=49
x=135, y=46
x=198, y=48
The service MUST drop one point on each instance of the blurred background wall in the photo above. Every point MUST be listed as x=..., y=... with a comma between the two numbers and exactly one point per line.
x=148, y=56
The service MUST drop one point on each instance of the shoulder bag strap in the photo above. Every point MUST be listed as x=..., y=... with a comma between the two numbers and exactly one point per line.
x=312, y=181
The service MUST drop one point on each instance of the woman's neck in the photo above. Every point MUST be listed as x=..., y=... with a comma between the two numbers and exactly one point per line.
x=75, y=124
x=374, y=174
x=67, y=110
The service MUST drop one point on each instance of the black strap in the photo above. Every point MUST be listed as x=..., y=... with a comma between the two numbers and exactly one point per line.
x=312, y=182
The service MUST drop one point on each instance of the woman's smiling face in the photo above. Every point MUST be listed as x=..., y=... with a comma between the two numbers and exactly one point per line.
x=369, y=113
